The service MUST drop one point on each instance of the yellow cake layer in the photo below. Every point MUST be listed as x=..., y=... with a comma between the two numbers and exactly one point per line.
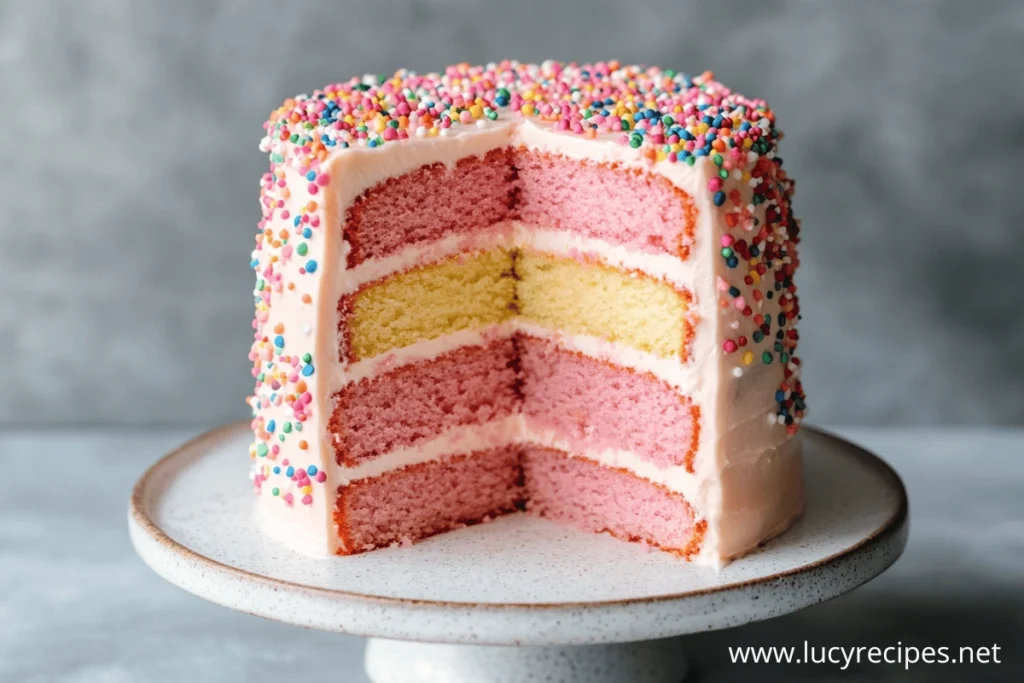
x=601, y=301
x=476, y=290
x=463, y=292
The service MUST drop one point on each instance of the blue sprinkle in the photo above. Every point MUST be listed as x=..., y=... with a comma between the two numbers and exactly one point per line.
x=371, y=144
x=745, y=125
x=650, y=114
x=311, y=470
x=271, y=426
x=307, y=370
x=700, y=153
x=277, y=470
x=780, y=396
x=310, y=266
x=687, y=135
x=732, y=262
x=311, y=175
x=754, y=251
x=707, y=119
x=254, y=264
x=734, y=292
x=719, y=198
x=717, y=122
x=638, y=116
x=279, y=341
x=307, y=233
x=290, y=471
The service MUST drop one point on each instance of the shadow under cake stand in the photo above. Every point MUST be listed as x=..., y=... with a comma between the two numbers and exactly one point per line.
x=573, y=606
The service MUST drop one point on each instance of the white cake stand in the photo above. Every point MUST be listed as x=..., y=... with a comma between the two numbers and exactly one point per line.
x=575, y=606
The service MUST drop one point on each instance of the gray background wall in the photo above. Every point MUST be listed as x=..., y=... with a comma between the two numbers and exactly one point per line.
x=129, y=168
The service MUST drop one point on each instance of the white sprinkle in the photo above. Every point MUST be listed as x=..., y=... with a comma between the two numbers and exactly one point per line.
x=737, y=372
x=771, y=418
x=307, y=329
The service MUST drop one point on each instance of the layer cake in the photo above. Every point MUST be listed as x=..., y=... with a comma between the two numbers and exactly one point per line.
x=564, y=289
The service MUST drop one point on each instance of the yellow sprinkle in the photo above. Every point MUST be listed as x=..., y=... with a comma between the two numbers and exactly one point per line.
x=476, y=111
x=747, y=143
x=748, y=358
x=307, y=489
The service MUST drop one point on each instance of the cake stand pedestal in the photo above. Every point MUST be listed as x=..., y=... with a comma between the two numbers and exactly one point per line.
x=519, y=599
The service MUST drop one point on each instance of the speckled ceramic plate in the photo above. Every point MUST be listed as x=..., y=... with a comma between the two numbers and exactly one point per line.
x=518, y=580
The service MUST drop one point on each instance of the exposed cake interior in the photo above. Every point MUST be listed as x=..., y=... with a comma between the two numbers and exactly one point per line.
x=473, y=400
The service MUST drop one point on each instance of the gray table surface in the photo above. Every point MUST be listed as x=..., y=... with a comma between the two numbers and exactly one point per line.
x=77, y=605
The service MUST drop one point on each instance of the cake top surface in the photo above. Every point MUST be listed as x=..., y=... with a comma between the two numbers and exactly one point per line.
x=667, y=114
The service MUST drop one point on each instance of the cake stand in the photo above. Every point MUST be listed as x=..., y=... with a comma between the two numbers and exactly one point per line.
x=519, y=599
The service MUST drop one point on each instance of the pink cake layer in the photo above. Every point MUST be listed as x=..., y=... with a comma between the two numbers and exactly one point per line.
x=469, y=386
x=430, y=203
x=589, y=403
x=626, y=206
x=595, y=405
x=595, y=498
x=630, y=207
x=427, y=499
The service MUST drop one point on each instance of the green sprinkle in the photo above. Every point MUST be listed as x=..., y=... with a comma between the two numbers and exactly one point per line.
x=635, y=141
x=262, y=450
x=723, y=174
x=302, y=249
x=766, y=357
x=287, y=427
x=726, y=252
x=276, y=491
x=717, y=159
x=306, y=357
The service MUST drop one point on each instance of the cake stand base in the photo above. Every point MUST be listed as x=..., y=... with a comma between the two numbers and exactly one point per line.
x=519, y=599
x=651, y=661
